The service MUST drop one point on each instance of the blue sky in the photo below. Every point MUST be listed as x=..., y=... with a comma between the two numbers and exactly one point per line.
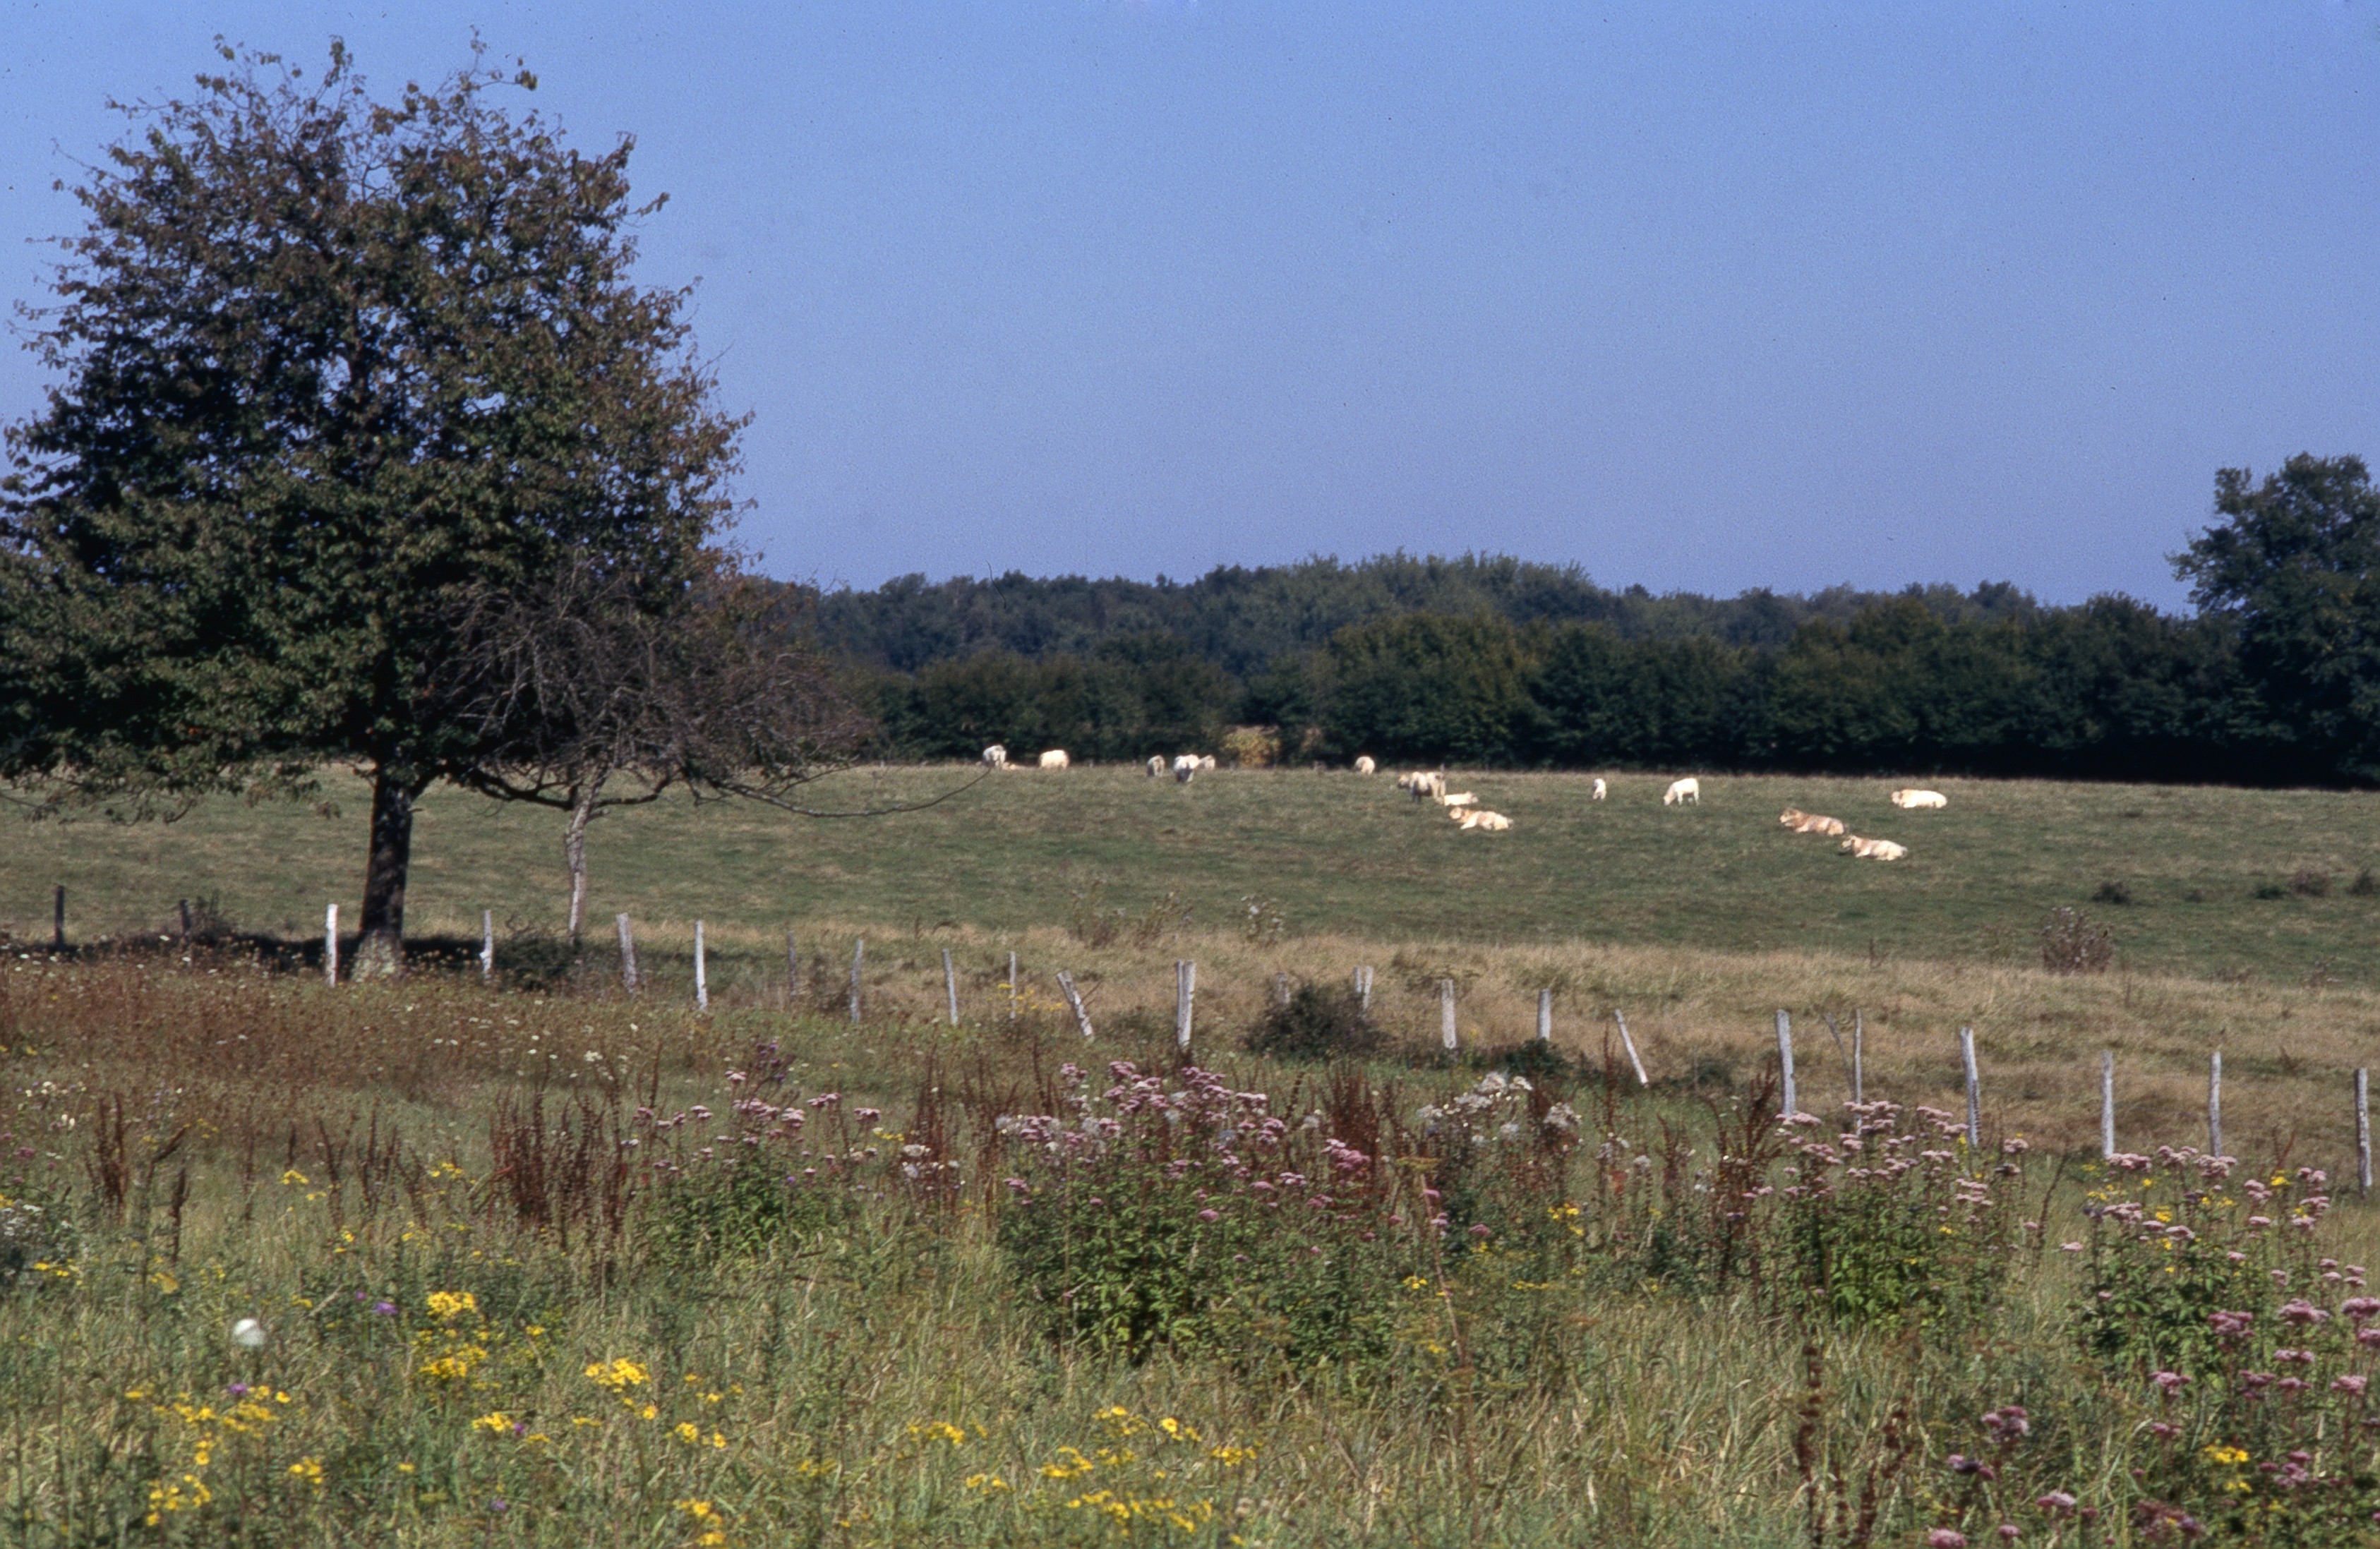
x=1696, y=296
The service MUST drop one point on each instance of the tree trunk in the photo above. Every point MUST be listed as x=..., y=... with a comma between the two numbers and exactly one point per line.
x=380, y=952
x=574, y=853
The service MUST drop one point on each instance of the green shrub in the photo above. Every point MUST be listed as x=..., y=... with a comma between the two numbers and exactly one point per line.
x=1317, y=1022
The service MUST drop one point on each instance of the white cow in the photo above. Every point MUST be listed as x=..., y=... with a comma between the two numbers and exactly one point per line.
x=1916, y=798
x=1055, y=760
x=1365, y=765
x=995, y=756
x=1206, y=763
x=1156, y=766
x=1596, y=793
x=1681, y=791
x=1874, y=849
x=1184, y=767
x=1460, y=798
x=1421, y=783
x=1493, y=822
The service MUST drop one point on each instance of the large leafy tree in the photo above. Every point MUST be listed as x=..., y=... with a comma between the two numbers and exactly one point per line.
x=2296, y=569
x=330, y=374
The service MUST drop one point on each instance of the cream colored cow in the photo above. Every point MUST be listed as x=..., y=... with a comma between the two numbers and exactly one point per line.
x=1365, y=765
x=1055, y=760
x=995, y=756
x=1596, y=793
x=1912, y=798
x=1802, y=822
x=1460, y=798
x=1156, y=768
x=1493, y=822
x=1186, y=767
x=1874, y=849
x=1680, y=792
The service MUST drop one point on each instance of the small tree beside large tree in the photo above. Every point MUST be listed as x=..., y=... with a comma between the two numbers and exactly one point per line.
x=347, y=394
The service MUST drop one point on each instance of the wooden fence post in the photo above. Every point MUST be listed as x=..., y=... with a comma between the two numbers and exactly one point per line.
x=2107, y=1104
x=950, y=985
x=627, y=956
x=331, y=945
x=1975, y=1091
x=1364, y=988
x=701, y=972
x=1859, y=1057
x=486, y=945
x=185, y=919
x=858, y=957
x=2215, y=1104
x=1015, y=991
x=1075, y=1000
x=1630, y=1044
x=1544, y=1016
x=1186, y=989
x=1786, y=1106
x=1281, y=990
x=1446, y=1016
x=58, y=920
x=2362, y=1130
x=792, y=970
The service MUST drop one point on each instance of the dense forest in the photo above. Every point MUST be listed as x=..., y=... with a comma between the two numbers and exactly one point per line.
x=1496, y=661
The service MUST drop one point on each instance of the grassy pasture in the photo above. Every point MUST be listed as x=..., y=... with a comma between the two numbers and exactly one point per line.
x=1342, y=855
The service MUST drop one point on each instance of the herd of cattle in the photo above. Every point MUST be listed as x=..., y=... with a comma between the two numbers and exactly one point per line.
x=1464, y=806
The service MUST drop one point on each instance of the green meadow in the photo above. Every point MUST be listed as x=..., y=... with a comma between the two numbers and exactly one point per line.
x=2214, y=882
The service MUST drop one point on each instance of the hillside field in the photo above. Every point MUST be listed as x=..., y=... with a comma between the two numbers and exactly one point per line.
x=1339, y=854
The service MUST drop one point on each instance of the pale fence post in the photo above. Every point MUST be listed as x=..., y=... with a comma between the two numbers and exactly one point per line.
x=1075, y=1000
x=58, y=920
x=858, y=959
x=331, y=945
x=1015, y=991
x=1630, y=1044
x=792, y=970
x=701, y=972
x=2362, y=1130
x=2107, y=1104
x=1446, y=1016
x=1544, y=1016
x=2215, y=1104
x=1186, y=989
x=1364, y=988
x=1975, y=1091
x=1786, y=1108
x=1859, y=1057
x=950, y=985
x=1280, y=990
x=627, y=956
x=486, y=945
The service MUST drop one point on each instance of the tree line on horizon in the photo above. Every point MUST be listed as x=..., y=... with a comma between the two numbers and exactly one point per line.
x=1489, y=660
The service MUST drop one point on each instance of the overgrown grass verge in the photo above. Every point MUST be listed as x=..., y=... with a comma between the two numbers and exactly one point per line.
x=533, y=1268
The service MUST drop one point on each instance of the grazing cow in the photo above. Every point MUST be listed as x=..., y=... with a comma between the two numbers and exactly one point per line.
x=995, y=756
x=1429, y=784
x=1206, y=763
x=1681, y=791
x=1184, y=767
x=1874, y=849
x=1916, y=798
x=1156, y=768
x=1596, y=793
x=1365, y=765
x=1460, y=798
x=1055, y=760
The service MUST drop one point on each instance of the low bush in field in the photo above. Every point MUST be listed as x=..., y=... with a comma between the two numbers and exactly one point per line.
x=1187, y=1213
x=1317, y=1022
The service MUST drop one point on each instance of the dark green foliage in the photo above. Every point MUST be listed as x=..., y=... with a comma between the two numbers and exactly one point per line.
x=335, y=377
x=1426, y=686
x=2296, y=570
x=1319, y=1021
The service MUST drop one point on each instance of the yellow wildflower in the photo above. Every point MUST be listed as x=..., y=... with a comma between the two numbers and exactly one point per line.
x=617, y=1375
x=447, y=1306
x=309, y=1470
